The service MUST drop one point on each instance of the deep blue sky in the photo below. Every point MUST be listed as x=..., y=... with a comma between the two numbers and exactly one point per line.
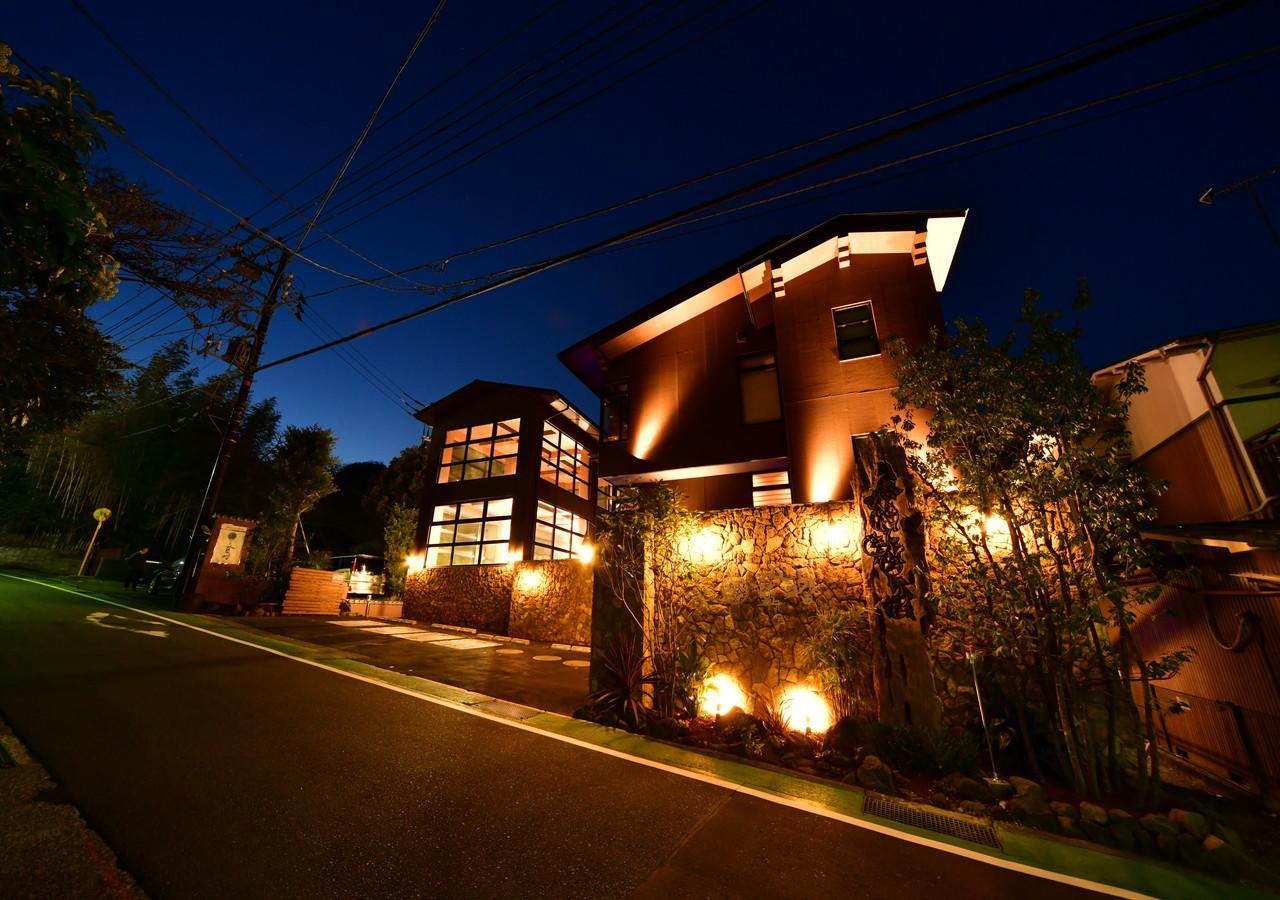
x=286, y=85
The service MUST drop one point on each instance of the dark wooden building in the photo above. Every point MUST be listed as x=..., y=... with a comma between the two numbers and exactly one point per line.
x=511, y=477
x=745, y=386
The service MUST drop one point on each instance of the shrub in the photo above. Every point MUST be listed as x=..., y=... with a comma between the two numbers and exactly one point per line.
x=925, y=751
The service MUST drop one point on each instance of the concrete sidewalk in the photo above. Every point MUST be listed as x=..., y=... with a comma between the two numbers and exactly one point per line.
x=549, y=677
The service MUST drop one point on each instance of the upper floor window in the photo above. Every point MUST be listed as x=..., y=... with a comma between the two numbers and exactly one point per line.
x=481, y=451
x=559, y=533
x=565, y=462
x=758, y=380
x=617, y=411
x=471, y=533
x=855, y=331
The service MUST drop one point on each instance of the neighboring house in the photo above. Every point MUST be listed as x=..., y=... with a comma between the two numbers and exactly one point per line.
x=745, y=387
x=1209, y=425
x=511, y=476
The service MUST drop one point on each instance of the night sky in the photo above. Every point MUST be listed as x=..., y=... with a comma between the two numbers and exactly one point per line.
x=287, y=85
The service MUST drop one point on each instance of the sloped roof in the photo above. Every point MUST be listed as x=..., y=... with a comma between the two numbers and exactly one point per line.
x=583, y=357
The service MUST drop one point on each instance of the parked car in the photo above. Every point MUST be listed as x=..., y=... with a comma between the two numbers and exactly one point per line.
x=167, y=579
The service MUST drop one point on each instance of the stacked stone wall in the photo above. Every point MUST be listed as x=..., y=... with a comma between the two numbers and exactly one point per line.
x=766, y=574
x=470, y=596
x=545, y=600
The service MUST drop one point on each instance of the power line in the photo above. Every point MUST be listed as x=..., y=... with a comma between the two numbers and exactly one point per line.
x=209, y=135
x=1196, y=18
x=441, y=263
x=387, y=120
x=372, y=191
x=552, y=117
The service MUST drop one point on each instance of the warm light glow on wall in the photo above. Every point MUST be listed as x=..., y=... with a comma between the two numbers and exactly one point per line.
x=646, y=435
x=514, y=555
x=415, y=562
x=586, y=554
x=706, y=545
x=804, y=709
x=531, y=581
x=825, y=476
x=721, y=693
x=833, y=536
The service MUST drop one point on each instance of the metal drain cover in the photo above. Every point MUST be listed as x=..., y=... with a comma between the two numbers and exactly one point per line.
x=931, y=820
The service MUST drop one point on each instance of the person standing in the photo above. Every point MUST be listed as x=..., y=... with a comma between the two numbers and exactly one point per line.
x=137, y=567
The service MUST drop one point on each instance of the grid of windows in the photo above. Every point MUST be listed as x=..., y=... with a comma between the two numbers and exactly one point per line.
x=559, y=534
x=758, y=381
x=771, y=488
x=470, y=533
x=565, y=462
x=481, y=451
x=855, y=331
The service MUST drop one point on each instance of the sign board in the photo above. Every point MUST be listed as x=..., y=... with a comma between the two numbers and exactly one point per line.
x=228, y=545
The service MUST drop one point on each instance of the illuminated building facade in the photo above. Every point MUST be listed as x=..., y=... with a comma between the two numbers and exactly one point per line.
x=745, y=386
x=510, y=477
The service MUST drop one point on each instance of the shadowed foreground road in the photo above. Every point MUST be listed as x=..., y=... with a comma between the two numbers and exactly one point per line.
x=218, y=770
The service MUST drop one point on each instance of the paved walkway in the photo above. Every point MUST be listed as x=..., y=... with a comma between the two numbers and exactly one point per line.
x=545, y=676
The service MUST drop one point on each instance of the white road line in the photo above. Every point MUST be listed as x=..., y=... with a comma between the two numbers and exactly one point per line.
x=801, y=805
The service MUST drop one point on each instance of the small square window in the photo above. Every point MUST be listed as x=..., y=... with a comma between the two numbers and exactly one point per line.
x=856, y=336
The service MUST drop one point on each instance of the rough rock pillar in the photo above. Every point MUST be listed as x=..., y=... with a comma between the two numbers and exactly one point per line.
x=896, y=582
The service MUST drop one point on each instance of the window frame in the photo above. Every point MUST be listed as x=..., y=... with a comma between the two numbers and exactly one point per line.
x=441, y=521
x=552, y=456
x=574, y=538
x=758, y=489
x=875, y=330
x=616, y=406
x=475, y=435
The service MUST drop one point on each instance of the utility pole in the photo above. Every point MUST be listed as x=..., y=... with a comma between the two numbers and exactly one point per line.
x=1246, y=185
x=198, y=542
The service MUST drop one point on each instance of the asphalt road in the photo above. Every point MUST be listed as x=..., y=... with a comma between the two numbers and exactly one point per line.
x=218, y=770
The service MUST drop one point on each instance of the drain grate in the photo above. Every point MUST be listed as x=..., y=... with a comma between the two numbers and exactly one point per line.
x=931, y=820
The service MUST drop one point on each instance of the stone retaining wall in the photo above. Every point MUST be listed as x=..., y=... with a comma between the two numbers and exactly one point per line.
x=767, y=572
x=544, y=600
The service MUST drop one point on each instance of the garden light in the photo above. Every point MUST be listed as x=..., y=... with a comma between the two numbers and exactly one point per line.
x=531, y=580
x=721, y=693
x=804, y=709
x=415, y=562
x=706, y=546
x=586, y=554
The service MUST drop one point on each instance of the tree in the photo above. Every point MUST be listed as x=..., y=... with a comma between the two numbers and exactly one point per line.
x=398, y=537
x=1035, y=513
x=53, y=361
x=145, y=452
x=403, y=482
x=644, y=546
x=301, y=474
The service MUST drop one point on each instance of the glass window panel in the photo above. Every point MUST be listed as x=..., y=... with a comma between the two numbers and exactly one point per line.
x=509, y=426
x=472, y=509
x=506, y=447
x=560, y=554
x=542, y=534
x=540, y=552
x=855, y=332
x=770, y=479
x=582, y=490
x=466, y=554
x=445, y=513
x=455, y=436
x=579, y=525
x=480, y=432
x=446, y=456
x=439, y=556
x=494, y=553
x=505, y=466
x=468, y=531
x=563, y=540
x=441, y=534
x=497, y=531
x=771, y=497
x=500, y=507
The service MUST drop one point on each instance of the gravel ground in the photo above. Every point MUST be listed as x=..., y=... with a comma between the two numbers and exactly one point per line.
x=46, y=849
